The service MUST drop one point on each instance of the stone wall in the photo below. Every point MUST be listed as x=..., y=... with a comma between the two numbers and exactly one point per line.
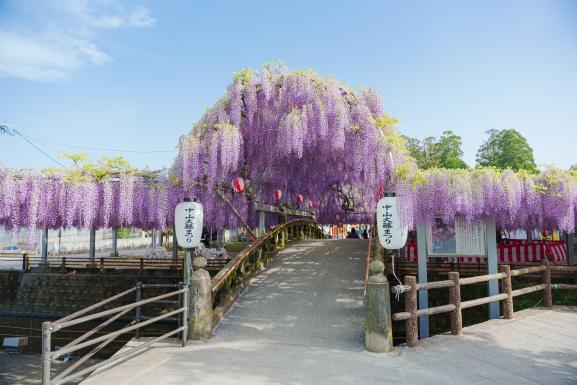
x=53, y=295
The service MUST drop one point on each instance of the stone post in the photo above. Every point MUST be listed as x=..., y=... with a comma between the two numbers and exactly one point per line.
x=378, y=325
x=200, y=302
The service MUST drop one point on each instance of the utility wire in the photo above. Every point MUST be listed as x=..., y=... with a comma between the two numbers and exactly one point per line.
x=98, y=148
x=39, y=149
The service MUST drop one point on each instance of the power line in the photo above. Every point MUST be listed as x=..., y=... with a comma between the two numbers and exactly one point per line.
x=39, y=149
x=99, y=148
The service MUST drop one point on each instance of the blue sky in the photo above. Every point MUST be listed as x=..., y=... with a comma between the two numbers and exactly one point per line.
x=137, y=74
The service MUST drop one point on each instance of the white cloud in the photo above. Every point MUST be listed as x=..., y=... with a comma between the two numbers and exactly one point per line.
x=52, y=41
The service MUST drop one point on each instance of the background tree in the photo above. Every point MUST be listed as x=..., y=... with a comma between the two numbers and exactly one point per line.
x=506, y=149
x=431, y=152
x=573, y=169
x=448, y=151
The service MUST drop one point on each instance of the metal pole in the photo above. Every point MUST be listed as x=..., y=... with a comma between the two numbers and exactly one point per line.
x=137, y=316
x=46, y=349
x=422, y=266
x=185, y=315
x=492, y=265
x=174, y=245
x=44, y=245
x=571, y=249
x=187, y=269
x=92, y=245
x=114, y=251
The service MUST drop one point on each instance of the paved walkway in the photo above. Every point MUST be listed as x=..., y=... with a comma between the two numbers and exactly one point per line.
x=301, y=323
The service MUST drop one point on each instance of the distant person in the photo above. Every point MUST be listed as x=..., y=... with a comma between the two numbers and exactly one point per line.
x=353, y=234
x=365, y=234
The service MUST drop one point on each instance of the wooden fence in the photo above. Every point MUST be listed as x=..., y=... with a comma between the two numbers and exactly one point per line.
x=65, y=264
x=455, y=307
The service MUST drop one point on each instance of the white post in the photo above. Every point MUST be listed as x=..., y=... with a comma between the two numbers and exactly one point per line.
x=492, y=265
x=261, y=223
x=422, y=266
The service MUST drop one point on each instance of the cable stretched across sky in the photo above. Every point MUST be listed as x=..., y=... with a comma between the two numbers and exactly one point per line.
x=99, y=148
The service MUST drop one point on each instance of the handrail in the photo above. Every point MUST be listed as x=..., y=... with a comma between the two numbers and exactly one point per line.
x=219, y=279
x=454, y=284
x=79, y=343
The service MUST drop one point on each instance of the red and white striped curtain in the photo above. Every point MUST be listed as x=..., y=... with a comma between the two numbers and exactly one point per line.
x=516, y=251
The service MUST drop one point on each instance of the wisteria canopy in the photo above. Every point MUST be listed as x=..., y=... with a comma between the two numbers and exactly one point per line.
x=300, y=133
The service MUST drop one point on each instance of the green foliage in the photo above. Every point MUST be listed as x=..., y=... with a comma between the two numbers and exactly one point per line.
x=573, y=170
x=506, y=149
x=386, y=120
x=85, y=170
x=431, y=152
x=123, y=232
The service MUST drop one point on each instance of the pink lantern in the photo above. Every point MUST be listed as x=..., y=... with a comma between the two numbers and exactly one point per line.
x=238, y=184
x=277, y=195
x=337, y=217
x=311, y=204
x=300, y=198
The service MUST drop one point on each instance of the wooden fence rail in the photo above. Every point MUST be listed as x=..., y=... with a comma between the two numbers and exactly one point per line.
x=455, y=307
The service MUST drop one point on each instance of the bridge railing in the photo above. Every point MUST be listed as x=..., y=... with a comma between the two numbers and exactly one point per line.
x=228, y=283
x=84, y=315
x=455, y=306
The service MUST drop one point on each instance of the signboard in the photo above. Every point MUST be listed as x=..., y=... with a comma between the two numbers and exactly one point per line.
x=456, y=237
x=188, y=219
x=392, y=235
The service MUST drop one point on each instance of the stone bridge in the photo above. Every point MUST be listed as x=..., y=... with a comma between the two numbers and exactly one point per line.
x=301, y=321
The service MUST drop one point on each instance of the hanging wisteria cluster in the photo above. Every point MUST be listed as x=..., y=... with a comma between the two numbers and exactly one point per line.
x=294, y=131
x=306, y=136
x=516, y=200
x=32, y=200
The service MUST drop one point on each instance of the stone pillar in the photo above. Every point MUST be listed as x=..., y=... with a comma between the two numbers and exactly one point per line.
x=378, y=325
x=200, y=300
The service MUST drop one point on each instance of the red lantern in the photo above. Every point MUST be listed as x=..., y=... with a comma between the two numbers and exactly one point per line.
x=277, y=195
x=238, y=184
x=300, y=198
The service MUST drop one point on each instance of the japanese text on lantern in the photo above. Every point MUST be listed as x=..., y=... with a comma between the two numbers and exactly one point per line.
x=387, y=223
x=189, y=224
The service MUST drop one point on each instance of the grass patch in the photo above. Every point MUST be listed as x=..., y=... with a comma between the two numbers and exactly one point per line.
x=235, y=246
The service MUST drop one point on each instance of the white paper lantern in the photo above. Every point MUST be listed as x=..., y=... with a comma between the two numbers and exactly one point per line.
x=392, y=235
x=188, y=220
